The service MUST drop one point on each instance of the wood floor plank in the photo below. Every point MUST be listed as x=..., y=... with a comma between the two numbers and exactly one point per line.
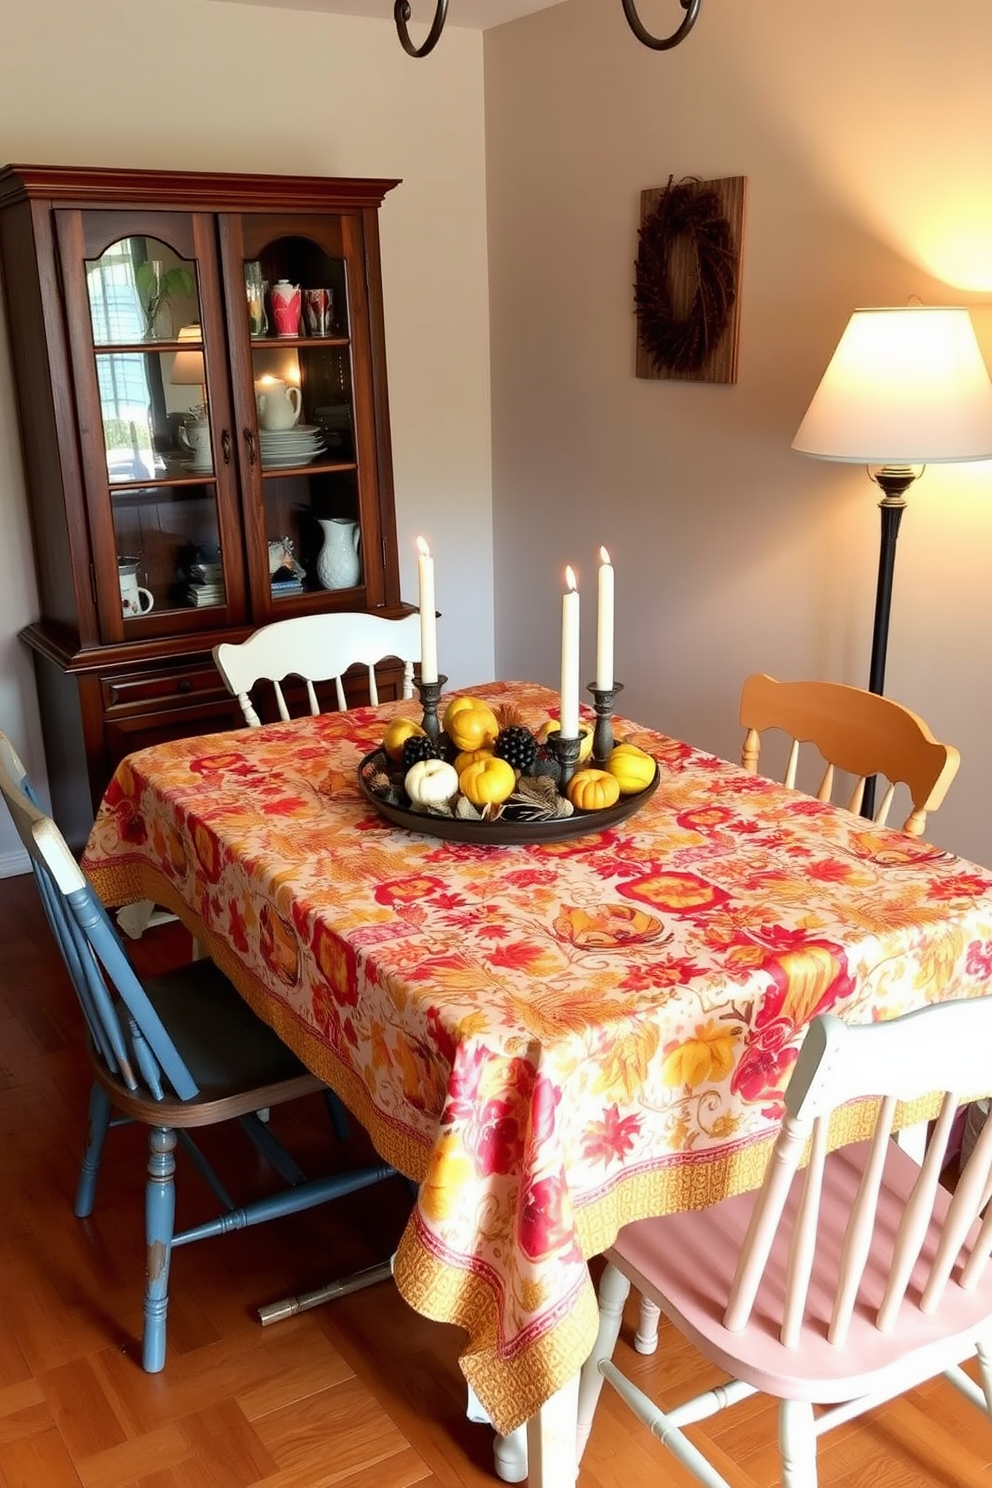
x=335, y=1434
x=24, y=1411
x=82, y=1410
x=122, y=1465
x=33, y=1461
x=227, y=1445
x=315, y=1365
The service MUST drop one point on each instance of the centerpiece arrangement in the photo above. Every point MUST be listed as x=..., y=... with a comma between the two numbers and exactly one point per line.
x=486, y=769
x=481, y=774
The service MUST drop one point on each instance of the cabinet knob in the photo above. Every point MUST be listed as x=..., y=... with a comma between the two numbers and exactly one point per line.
x=184, y=685
x=225, y=444
x=250, y=442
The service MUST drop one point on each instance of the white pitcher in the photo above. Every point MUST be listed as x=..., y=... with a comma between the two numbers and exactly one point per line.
x=279, y=404
x=338, y=563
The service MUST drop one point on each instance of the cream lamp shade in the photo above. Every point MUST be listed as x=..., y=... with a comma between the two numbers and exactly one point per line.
x=187, y=366
x=905, y=386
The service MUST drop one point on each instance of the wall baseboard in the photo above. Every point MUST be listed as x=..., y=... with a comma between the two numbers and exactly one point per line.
x=13, y=863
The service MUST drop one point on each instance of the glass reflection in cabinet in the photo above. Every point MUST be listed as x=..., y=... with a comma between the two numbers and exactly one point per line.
x=140, y=290
x=171, y=534
x=153, y=406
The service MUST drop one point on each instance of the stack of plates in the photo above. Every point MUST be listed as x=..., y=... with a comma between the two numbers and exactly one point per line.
x=284, y=448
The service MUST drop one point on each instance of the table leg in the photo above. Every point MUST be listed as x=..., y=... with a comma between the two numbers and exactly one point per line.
x=544, y=1451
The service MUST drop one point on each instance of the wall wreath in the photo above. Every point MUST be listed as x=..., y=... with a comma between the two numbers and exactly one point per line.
x=686, y=279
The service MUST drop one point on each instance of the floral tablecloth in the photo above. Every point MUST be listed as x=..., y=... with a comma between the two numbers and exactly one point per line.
x=553, y=1039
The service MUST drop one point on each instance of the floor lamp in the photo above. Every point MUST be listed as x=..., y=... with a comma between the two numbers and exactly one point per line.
x=906, y=387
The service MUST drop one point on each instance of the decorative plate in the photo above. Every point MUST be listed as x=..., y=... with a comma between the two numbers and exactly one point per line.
x=503, y=833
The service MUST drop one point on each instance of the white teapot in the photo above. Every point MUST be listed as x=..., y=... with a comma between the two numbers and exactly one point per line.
x=279, y=404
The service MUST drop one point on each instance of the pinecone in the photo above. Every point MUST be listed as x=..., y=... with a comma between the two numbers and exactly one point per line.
x=418, y=747
x=517, y=746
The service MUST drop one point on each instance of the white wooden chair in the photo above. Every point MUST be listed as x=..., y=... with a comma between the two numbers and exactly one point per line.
x=855, y=731
x=317, y=648
x=843, y=1284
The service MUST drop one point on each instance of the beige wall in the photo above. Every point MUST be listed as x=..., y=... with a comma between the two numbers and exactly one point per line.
x=192, y=85
x=865, y=134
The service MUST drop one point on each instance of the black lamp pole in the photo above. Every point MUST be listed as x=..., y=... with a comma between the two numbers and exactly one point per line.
x=894, y=481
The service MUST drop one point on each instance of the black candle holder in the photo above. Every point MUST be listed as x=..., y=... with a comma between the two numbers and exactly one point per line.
x=430, y=693
x=566, y=752
x=602, y=739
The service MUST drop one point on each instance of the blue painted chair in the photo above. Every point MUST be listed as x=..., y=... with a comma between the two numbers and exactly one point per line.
x=179, y=1051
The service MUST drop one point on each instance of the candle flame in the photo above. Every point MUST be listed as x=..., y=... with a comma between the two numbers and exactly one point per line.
x=604, y=556
x=422, y=548
x=570, y=577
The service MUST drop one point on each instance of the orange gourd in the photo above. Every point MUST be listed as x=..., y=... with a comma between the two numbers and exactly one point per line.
x=593, y=790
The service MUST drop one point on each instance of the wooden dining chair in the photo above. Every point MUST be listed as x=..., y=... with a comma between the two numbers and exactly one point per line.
x=317, y=648
x=855, y=731
x=177, y=1052
x=841, y=1284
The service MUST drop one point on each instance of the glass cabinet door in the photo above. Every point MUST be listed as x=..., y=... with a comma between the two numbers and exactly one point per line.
x=152, y=377
x=306, y=399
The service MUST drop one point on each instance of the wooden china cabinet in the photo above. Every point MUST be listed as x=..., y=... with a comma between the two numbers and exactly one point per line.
x=166, y=516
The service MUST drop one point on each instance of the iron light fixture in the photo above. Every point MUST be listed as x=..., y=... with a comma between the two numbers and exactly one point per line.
x=401, y=15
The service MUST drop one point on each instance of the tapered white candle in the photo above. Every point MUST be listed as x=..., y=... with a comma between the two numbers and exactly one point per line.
x=569, y=700
x=604, y=625
x=428, y=618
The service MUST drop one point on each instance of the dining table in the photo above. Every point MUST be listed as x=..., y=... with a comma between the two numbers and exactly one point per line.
x=553, y=1036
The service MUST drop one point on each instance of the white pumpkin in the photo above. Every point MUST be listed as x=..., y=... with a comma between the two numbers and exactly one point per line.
x=431, y=782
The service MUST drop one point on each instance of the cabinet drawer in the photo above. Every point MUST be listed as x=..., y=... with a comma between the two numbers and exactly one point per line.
x=139, y=690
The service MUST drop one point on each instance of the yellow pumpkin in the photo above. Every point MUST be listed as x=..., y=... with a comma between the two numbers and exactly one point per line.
x=488, y=781
x=592, y=790
x=474, y=727
x=470, y=757
x=631, y=767
x=585, y=734
x=455, y=707
x=397, y=734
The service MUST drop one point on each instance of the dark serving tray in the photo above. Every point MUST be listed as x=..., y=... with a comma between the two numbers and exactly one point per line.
x=502, y=833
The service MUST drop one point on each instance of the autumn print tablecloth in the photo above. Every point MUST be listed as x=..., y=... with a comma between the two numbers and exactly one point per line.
x=554, y=1039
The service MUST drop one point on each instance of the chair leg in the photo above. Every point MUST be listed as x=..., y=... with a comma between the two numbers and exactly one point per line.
x=614, y=1289
x=984, y=1356
x=160, y=1217
x=338, y=1114
x=646, y=1337
x=797, y=1444
x=99, y=1121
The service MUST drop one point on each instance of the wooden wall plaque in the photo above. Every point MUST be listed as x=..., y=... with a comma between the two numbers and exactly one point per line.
x=681, y=274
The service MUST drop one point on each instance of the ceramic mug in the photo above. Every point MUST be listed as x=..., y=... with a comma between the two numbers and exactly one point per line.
x=134, y=599
x=195, y=435
x=286, y=300
x=319, y=305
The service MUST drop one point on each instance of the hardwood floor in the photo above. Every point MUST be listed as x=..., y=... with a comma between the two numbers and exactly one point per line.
x=359, y=1393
